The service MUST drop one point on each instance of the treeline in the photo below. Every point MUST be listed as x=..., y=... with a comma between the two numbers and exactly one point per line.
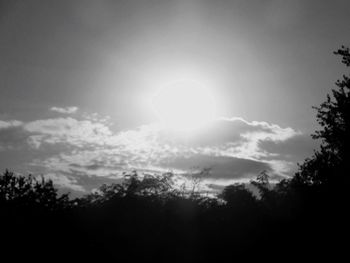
x=147, y=218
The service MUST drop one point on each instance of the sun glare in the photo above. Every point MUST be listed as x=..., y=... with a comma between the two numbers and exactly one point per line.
x=184, y=106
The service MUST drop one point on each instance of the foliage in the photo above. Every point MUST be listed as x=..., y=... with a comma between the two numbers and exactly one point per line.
x=237, y=195
x=28, y=190
x=133, y=185
x=329, y=164
x=334, y=114
x=318, y=193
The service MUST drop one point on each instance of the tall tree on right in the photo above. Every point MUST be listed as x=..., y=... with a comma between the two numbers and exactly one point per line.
x=329, y=165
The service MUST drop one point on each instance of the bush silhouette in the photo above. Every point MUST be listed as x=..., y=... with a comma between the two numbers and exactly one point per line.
x=31, y=191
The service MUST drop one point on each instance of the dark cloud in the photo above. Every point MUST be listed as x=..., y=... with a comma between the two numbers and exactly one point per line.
x=296, y=148
x=216, y=187
x=222, y=167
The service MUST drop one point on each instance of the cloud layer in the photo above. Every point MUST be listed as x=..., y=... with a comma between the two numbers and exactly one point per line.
x=72, y=151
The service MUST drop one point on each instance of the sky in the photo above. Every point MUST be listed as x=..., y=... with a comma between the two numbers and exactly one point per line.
x=78, y=79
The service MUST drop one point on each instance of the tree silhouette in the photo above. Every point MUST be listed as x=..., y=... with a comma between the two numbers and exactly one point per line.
x=328, y=166
x=237, y=195
x=34, y=216
x=29, y=190
x=133, y=185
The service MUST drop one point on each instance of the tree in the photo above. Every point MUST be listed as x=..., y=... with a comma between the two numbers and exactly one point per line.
x=133, y=185
x=329, y=164
x=262, y=183
x=237, y=195
x=30, y=191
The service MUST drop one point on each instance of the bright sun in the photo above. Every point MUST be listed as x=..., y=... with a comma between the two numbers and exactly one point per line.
x=184, y=106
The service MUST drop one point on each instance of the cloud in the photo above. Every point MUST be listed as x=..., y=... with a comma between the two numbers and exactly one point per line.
x=66, y=110
x=221, y=167
x=65, y=182
x=234, y=148
x=299, y=146
x=101, y=152
x=11, y=134
x=9, y=124
x=68, y=131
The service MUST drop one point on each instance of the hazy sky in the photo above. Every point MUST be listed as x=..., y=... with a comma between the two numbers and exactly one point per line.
x=76, y=78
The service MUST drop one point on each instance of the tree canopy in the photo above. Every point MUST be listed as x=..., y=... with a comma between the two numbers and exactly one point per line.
x=329, y=164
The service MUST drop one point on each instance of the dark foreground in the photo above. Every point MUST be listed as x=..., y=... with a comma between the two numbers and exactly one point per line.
x=131, y=223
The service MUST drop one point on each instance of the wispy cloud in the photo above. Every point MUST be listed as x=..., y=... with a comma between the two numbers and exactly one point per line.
x=65, y=110
x=68, y=130
x=9, y=124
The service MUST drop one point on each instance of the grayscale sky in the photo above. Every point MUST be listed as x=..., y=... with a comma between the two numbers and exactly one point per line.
x=77, y=78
